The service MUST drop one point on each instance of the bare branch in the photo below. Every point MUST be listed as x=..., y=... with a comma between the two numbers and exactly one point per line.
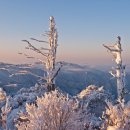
x=25, y=55
x=44, y=48
x=45, y=35
x=57, y=72
x=38, y=40
x=34, y=48
x=41, y=61
x=30, y=57
x=26, y=47
x=20, y=53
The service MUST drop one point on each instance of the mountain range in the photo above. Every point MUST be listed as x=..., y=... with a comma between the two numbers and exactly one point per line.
x=72, y=78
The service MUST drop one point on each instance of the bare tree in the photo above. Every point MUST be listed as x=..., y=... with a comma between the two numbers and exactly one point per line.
x=119, y=72
x=49, y=54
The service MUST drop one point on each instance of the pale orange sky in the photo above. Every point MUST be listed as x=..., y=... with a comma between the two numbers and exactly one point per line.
x=83, y=26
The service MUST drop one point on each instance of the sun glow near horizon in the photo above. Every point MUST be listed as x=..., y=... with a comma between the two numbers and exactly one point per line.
x=82, y=28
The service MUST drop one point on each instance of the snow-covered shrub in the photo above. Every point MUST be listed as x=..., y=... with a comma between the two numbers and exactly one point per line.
x=117, y=117
x=91, y=92
x=93, y=99
x=16, y=104
x=2, y=95
x=53, y=111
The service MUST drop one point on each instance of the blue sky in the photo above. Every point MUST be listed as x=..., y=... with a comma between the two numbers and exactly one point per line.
x=83, y=26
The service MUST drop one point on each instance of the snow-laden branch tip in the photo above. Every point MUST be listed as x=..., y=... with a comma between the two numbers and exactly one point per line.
x=111, y=49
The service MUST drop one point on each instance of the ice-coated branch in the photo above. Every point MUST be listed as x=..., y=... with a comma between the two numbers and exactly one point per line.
x=111, y=48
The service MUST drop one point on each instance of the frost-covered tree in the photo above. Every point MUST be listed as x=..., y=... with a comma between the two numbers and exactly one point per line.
x=48, y=54
x=117, y=117
x=119, y=72
x=5, y=110
x=54, y=111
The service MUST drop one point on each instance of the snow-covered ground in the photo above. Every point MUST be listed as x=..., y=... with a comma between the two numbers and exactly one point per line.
x=73, y=79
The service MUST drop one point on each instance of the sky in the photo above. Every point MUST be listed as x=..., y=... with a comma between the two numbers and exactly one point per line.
x=83, y=26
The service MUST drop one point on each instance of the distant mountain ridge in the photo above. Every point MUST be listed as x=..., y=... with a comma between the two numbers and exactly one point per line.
x=72, y=78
